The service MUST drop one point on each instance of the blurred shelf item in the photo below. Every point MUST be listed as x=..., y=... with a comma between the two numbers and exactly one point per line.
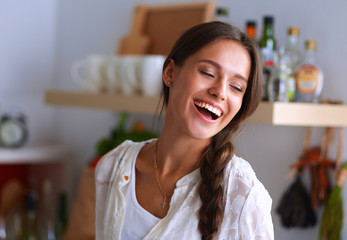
x=275, y=113
x=32, y=154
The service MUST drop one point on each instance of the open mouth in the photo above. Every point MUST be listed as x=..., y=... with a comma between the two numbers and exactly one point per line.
x=207, y=110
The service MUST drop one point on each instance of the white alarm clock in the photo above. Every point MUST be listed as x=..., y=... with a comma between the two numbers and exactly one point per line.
x=13, y=131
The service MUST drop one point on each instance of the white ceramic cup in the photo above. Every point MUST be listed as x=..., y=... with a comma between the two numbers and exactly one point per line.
x=91, y=73
x=129, y=74
x=113, y=75
x=151, y=74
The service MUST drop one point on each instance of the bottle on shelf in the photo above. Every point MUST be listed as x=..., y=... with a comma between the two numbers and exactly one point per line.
x=279, y=78
x=292, y=47
x=293, y=55
x=222, y=15
x=267, y=44
x=251, y=29
x=309, y=77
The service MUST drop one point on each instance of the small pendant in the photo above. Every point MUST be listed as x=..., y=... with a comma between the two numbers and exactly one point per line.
x=163, y=204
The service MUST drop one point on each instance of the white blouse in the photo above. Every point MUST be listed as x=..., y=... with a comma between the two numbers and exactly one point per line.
x=137, y=221
x=247, y=213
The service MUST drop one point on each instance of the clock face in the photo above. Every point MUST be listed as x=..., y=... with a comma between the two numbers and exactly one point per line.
x=12, y=133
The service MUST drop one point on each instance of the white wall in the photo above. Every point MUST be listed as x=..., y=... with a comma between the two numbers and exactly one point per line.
x=27, y=47
x=41, y=39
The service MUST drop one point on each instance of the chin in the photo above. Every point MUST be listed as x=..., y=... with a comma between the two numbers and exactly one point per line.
x=203, y=135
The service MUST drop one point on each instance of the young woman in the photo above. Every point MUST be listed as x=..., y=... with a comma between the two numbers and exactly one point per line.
x=188, y=184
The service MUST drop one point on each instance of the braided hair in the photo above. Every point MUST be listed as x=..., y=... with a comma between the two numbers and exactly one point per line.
x=219, y=152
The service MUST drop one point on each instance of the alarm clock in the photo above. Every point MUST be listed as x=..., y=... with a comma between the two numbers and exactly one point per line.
x=13, y=131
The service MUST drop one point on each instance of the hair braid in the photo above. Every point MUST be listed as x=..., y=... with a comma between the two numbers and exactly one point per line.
x=213, y=163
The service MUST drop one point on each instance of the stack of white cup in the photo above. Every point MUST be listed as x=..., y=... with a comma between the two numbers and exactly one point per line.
x=126, y=74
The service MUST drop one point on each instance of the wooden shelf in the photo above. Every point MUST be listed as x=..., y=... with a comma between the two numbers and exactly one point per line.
x=301, y=114
x=113, y=102
x=31, y=154
x=287, y=114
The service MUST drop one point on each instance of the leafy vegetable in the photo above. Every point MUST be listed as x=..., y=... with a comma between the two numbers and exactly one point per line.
x=119, y=134
x=332, y=219
x=295, y=208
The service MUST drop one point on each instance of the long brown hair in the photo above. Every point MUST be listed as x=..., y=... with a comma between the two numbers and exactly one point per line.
x=219, y=152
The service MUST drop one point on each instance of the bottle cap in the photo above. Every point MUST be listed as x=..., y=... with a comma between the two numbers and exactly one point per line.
x=311, y=45
x=293, y=31
x=222, y=11
x=251, y=23
x=268, y=19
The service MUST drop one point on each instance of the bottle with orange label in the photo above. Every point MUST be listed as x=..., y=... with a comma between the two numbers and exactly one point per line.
x=309, y=77
x=251, y=29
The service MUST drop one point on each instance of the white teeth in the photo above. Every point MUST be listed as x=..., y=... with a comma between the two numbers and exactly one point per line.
x=216, y=111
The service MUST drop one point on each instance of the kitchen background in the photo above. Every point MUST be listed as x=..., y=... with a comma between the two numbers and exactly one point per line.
x=41, y=39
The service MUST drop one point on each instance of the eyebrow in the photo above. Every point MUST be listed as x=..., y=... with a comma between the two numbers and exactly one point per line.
x=217, y=65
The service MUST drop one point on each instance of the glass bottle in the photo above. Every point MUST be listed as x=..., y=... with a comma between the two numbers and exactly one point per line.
x=278, y=81
x=30, y=227
x=251, y=29
x=267, y=45
x=3, y=233
x=14, y=222
x=309, y=77
x=61, y=219
x=293, y=55
x=47, y=230
x=222, y=14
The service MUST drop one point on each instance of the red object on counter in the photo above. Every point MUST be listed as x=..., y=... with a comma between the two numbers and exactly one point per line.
x=95, y=161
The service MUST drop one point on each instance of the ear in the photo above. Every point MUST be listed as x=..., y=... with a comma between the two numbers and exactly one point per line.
x=168, y=73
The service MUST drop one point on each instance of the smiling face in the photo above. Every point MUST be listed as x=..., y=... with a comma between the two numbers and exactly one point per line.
x=206, y=92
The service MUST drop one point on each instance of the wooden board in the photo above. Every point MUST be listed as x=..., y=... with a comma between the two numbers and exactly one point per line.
x=301, y=114
x=161, y=25
x=134, y=44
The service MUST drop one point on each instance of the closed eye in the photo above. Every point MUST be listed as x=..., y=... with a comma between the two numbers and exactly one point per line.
x=207, y=74
x=237, y=88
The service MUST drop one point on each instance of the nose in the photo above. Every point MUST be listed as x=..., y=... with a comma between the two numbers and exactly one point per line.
x=218, y=90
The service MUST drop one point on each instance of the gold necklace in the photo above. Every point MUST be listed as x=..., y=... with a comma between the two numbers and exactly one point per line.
x=163, y=204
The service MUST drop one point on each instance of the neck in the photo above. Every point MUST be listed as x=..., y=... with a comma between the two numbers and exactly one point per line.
x=179, y=155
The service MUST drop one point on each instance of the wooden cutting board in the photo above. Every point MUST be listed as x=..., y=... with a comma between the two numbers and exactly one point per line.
x=134, y=44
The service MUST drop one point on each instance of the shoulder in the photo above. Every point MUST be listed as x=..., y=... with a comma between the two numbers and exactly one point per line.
x=247, y=200
x=240, y=177
x=240, y=169
x=114, y=159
